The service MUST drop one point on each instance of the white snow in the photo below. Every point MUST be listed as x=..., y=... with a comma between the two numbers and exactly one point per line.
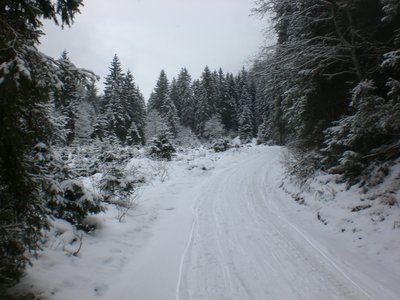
x=226, y=226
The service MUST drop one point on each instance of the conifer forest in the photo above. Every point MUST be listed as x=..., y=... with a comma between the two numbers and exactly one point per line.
x=322, y=102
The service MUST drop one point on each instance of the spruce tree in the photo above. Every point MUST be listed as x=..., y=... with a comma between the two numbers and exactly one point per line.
x=162, y=103
x=67, y=98
x=87, y=111
x=202, y=111
x=161, y=92
x=174, y=95
x=27, y=79
x=230, y=115
x=208, y=82
x=184, y=92
x=330, y=81
x=246, y=127
x=113, y=123
x=134, y=104
x=227, y=108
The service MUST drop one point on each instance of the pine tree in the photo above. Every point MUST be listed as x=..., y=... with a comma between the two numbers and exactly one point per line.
x=27, y=79
x=202, y=111
x=134, y=104
x=205, y=99
x=224, y=105
x=185, y=105
x=113, y=123
x=174, y=95
x=246, y=125
x=230, y=111
x=155, y=125
x=161, y=92
x=162, y=103
x=87, y=111
x=330, y=81
x=208, y=82
x=67, y=98
x=140, y=112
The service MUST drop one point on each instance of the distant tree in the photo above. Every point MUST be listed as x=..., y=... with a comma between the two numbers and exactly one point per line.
x=230, y=107
x=113, y=122
x=155, y=125
x=202, y=111
x=161, y=101
x=133, y=103
x=209, y=84
x=213, y=129
x=174, y=95
x=68, y=97
x=226, y=104
x=161, y=92
x=205, y=99
x=184, y=98
x=86, y=114
x=246, y=126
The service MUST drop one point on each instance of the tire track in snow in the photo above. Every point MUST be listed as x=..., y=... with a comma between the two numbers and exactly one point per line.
x=236, y=221
x=195, y=212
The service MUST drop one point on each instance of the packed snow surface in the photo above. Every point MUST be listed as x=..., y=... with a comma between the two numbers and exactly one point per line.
x=221, y=227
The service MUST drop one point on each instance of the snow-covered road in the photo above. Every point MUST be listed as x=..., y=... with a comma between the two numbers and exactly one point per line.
x=242, y=247
x=229, y=235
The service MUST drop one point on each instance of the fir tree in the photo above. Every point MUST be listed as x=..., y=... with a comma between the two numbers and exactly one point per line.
x=161, y=92
x=67, y=98
x=202, y=109
x=162, y=103
x=184, y=92
x=27, y=79
x=174, y=95
x=134, y=104
x=208, y=82
x=114, y=120
x=246, y=127
x=87, y=111
x=230, y=108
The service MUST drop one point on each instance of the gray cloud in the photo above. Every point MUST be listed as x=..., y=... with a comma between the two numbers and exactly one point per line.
x=150, y=35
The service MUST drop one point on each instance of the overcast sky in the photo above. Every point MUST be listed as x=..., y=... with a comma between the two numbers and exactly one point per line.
x=150, y=35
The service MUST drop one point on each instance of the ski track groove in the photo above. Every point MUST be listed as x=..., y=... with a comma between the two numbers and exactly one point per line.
x=217, y=248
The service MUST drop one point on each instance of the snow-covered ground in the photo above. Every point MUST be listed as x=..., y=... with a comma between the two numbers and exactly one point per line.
x=226, y=226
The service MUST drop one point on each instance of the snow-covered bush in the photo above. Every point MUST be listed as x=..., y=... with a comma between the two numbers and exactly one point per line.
x=366, y=135
x=73, y=202
x=120, y=189
x=66, y=197
x=186, y=138
x=221, y=145
x=301, y=165
x=213, y=128
x=264, y=133
x=161, y=148
x=112, y=183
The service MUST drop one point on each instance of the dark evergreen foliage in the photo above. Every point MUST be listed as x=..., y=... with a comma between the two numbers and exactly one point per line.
x=161, y=148
x=331, y=83
x=210, y=106
x=27, y=79
x=161, y=102
x=122, y=110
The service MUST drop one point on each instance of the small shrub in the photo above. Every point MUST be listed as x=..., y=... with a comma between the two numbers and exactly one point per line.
x=221, y=145
x=73, y=202
x=161, y=148
x=120, y=190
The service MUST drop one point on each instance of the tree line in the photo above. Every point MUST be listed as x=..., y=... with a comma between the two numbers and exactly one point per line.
x=214, y=106
x=331, y=84
x=329, y=89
